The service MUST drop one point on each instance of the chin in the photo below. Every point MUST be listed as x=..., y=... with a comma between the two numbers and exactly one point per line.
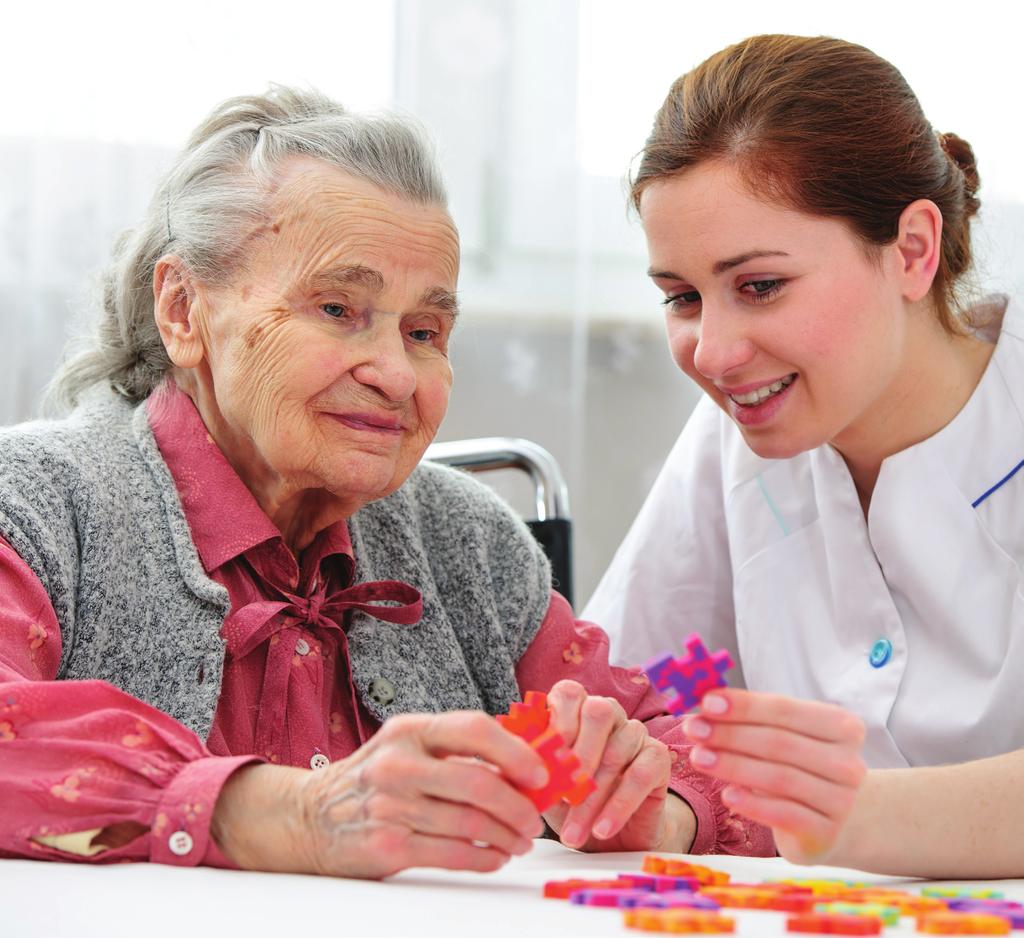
x=778, y=446
x=364, y=480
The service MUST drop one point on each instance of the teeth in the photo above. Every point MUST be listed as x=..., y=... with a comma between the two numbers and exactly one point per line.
x=763, y=393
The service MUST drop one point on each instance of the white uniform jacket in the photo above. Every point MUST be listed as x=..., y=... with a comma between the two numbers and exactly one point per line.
x=913, y=618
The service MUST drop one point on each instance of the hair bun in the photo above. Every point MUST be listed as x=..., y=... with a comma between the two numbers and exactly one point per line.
x=960, y=152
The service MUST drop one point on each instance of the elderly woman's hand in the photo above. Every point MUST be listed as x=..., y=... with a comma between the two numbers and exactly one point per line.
x=793, y=765
x=426, y=790
x=630, y=809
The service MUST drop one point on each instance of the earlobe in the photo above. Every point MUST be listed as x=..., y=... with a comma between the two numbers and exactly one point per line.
x=174, y=311
x=919, y=241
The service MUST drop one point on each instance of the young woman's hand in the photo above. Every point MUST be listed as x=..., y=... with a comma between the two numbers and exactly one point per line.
x=427, y=790
x=630, y=809
x=793, y=765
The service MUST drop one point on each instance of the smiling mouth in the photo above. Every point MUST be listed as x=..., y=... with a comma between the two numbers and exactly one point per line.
x=370, y=423
x=761, y=394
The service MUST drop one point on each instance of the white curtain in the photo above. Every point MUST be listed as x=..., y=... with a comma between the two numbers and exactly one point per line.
x=537, y=107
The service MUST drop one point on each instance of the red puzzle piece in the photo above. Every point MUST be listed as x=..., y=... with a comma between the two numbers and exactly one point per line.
x=686, y=679
x=820, y=923
x=529, y=720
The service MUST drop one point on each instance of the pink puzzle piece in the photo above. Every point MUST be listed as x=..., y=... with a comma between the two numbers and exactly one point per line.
x=685, y=680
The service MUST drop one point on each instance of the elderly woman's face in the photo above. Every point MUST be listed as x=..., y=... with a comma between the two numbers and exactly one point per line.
x=328, y=354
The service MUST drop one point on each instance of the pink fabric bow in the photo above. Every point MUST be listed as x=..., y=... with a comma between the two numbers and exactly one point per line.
x=277, y=623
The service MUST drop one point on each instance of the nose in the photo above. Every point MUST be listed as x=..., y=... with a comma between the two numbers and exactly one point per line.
x=723, y=344
x=385, y=363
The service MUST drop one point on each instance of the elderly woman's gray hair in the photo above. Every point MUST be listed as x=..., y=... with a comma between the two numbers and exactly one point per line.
x=213, y=197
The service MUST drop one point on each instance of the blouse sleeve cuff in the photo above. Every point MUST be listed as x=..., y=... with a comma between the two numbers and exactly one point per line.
x=704, y=839
x=181, y=828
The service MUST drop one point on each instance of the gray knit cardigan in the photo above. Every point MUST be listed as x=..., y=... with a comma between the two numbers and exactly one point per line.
x=91, y=506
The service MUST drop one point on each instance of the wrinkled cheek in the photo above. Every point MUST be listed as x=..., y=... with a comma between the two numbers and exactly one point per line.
x=433, y=392
x=264, y=401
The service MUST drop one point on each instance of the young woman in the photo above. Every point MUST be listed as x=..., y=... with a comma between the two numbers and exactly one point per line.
x=843, y=510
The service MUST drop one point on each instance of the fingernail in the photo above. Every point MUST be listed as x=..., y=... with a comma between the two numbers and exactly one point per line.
x=715, y=703
x=572, y=835
x=697, y=727
x=602, y=829
x=730, y=795
x=539, y=778
x=699, y=755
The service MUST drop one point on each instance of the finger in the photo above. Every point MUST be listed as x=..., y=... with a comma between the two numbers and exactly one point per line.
x=600, y=718
x=565, y=701
x=623, y=748
x=452, y=854
x=839, y=763
x=476, y=785
x=472, y=733
x=647, y=775
x=465, y=822
x=812, y=830
x=776, y=780
x=823, y=721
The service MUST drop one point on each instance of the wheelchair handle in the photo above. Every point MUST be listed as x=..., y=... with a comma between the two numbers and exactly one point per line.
x=508, y=452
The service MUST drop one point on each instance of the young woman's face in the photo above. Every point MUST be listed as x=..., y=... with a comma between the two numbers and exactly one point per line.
x=782, y=318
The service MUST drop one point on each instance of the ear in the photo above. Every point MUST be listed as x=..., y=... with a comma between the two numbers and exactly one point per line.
x=174, y=308
x=919, y=247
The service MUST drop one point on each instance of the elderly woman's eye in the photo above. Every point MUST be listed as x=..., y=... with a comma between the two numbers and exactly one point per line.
x=334, y=309
x=422, y=335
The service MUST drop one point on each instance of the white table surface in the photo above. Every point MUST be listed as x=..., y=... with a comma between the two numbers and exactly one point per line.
x=144, y=900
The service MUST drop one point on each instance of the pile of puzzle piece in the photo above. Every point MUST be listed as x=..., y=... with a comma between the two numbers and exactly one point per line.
x=531, y=721
x=684, y=898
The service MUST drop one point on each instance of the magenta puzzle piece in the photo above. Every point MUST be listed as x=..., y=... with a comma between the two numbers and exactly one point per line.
x=616, y=898
x=685, y=680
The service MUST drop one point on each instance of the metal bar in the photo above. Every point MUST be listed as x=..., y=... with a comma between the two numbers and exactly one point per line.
x=507, y=452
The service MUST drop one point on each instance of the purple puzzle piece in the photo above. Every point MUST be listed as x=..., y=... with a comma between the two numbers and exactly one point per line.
x=1005, y=909
x=617, y=898
x=678, y=899
x=659, y=882
x=685, y=680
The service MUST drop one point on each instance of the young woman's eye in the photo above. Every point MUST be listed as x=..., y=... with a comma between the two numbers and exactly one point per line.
x=760, y=291
x=682, y=302
x=335, y=310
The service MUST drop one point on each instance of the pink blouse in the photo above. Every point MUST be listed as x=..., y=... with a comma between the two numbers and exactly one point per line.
x=78, y=756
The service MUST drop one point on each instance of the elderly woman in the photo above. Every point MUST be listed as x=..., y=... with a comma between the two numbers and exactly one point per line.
x=231, y=539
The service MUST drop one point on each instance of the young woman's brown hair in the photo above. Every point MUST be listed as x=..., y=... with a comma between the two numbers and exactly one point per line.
x=828, y=128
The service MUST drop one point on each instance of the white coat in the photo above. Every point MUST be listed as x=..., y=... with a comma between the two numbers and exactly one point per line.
x=912, y=618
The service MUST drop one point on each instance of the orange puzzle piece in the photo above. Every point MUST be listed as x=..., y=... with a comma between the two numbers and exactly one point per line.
x=963, y=923
x=678, y=921
x=669, y=867
x=530, y=721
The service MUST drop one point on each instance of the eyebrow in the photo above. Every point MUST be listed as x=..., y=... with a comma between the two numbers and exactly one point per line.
x=441, y=299
x=355, y=275
x=373, y=280
x=720, y=267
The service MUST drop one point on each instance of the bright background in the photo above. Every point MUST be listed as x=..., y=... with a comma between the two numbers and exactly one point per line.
x=538, y=107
